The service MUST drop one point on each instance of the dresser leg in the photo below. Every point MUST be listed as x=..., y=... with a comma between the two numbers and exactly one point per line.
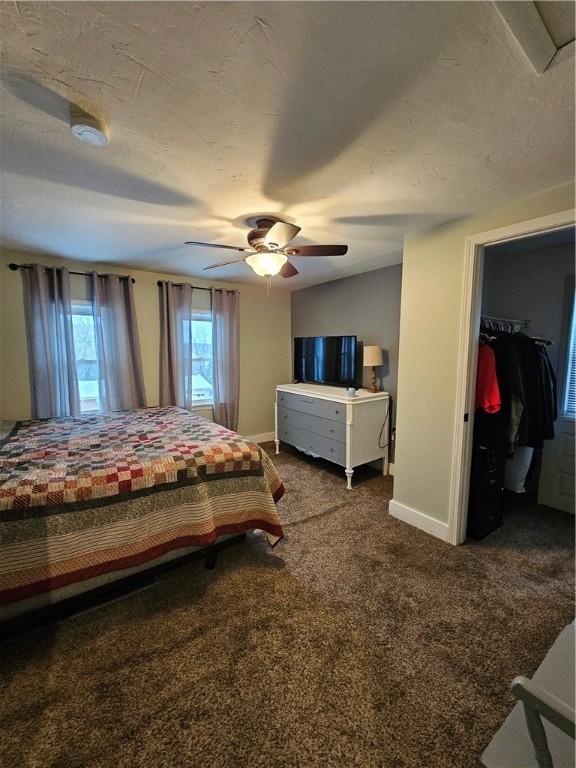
x=277, y=443
x=349, y=473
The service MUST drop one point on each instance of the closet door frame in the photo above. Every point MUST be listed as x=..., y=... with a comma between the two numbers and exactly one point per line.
x=472, y=285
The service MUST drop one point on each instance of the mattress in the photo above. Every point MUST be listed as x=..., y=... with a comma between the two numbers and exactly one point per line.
x=87, y=496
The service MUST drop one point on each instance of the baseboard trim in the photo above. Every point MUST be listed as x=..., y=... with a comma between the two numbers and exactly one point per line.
x=419, y=520
x=263, y=437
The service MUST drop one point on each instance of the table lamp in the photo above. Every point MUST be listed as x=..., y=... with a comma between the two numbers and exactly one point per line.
x=373, y=358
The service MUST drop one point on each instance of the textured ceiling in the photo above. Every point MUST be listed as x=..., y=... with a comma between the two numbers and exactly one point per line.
x=359, y=121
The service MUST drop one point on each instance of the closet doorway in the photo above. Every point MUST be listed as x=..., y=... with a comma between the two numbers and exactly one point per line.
x=523, y=437
x=517, y=354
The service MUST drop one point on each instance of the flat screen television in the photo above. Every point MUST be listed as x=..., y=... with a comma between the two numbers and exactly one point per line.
x=327, y=360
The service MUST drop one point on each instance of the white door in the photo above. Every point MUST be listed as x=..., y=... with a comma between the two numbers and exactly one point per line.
x=556, y=487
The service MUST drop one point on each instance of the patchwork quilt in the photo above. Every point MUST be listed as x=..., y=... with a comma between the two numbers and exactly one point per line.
x=80, y=497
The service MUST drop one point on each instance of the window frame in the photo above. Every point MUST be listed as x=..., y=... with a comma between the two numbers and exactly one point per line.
x=83, y=308
x=204, y=315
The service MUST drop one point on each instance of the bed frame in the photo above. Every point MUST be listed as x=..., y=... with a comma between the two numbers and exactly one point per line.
x=98, y=597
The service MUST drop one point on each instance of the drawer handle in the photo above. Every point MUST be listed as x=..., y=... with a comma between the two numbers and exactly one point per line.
x=331, y=450
x=336, y=411
x=331, y=431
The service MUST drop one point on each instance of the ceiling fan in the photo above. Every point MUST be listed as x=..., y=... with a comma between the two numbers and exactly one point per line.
x=269, y=253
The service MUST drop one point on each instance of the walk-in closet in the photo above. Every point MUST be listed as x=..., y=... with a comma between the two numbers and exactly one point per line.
x=523, y=444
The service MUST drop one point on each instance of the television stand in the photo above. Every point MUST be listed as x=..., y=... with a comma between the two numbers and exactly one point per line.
x=323, y=421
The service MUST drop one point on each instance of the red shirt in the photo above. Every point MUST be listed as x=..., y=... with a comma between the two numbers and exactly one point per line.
x=487, y=389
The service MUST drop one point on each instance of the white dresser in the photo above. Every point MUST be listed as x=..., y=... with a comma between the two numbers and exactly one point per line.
x=324, y=421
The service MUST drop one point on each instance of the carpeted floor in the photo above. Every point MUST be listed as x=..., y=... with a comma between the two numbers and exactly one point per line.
x=356, y=641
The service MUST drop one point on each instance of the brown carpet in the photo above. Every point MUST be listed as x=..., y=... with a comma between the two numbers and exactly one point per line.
x=357, y=641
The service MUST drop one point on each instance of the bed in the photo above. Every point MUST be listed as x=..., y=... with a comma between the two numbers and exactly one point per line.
x=89, y=499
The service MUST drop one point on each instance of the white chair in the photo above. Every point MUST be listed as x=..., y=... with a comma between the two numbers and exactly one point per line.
x=539, y=732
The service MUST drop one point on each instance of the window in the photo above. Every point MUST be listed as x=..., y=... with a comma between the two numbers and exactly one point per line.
x=569, y=405
x=200, y=338
x=87, y=372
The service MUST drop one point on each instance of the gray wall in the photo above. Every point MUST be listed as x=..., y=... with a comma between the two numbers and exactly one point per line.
x=530, y=285
x=367, y=306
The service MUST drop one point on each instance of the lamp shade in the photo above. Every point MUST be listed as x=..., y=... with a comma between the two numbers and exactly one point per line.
x=266, y=263
x=373, y=356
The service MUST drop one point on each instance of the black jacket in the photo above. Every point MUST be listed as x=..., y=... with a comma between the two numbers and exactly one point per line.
x=528, y=392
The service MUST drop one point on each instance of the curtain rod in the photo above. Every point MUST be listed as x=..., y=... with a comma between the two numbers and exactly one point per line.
x=14, y=267
x=196, y=287
x=178, y=285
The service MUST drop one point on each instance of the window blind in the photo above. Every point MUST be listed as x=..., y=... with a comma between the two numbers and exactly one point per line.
x=570, y=384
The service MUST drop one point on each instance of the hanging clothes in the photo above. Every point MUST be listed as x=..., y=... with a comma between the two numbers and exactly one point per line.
x=505, y=436
x=516, y=469
x=510, y=379
x=528, y=391
x=487, y=389
x=549, y=391
x=531, y=425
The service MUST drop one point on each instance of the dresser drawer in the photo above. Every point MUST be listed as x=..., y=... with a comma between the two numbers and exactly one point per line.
x=335, y=430
x=318, y=444
x=314, y=406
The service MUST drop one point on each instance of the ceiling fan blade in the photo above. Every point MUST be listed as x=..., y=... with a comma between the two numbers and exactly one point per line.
x=280, y=235
x=224, y=263
x=288, y=270
x=216, y=245
x=318, y=250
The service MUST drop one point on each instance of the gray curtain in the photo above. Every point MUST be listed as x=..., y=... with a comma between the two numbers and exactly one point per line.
x=117, y=343
x=175, y=344
x=225, y=351
x=48, y=312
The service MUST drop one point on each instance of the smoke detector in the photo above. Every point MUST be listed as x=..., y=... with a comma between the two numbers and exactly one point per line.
x=89, y=129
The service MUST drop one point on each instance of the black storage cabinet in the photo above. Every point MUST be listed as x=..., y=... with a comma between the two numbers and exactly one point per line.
x=486, y=490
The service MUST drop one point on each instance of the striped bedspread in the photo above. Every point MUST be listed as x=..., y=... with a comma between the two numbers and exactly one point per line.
x=82, y=497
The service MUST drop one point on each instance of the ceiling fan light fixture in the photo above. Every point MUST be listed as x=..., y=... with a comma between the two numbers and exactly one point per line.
x=268, y=254
x=266, y=263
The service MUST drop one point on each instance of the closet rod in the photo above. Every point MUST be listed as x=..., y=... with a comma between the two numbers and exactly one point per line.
x=489, y=319
x=14, y=267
